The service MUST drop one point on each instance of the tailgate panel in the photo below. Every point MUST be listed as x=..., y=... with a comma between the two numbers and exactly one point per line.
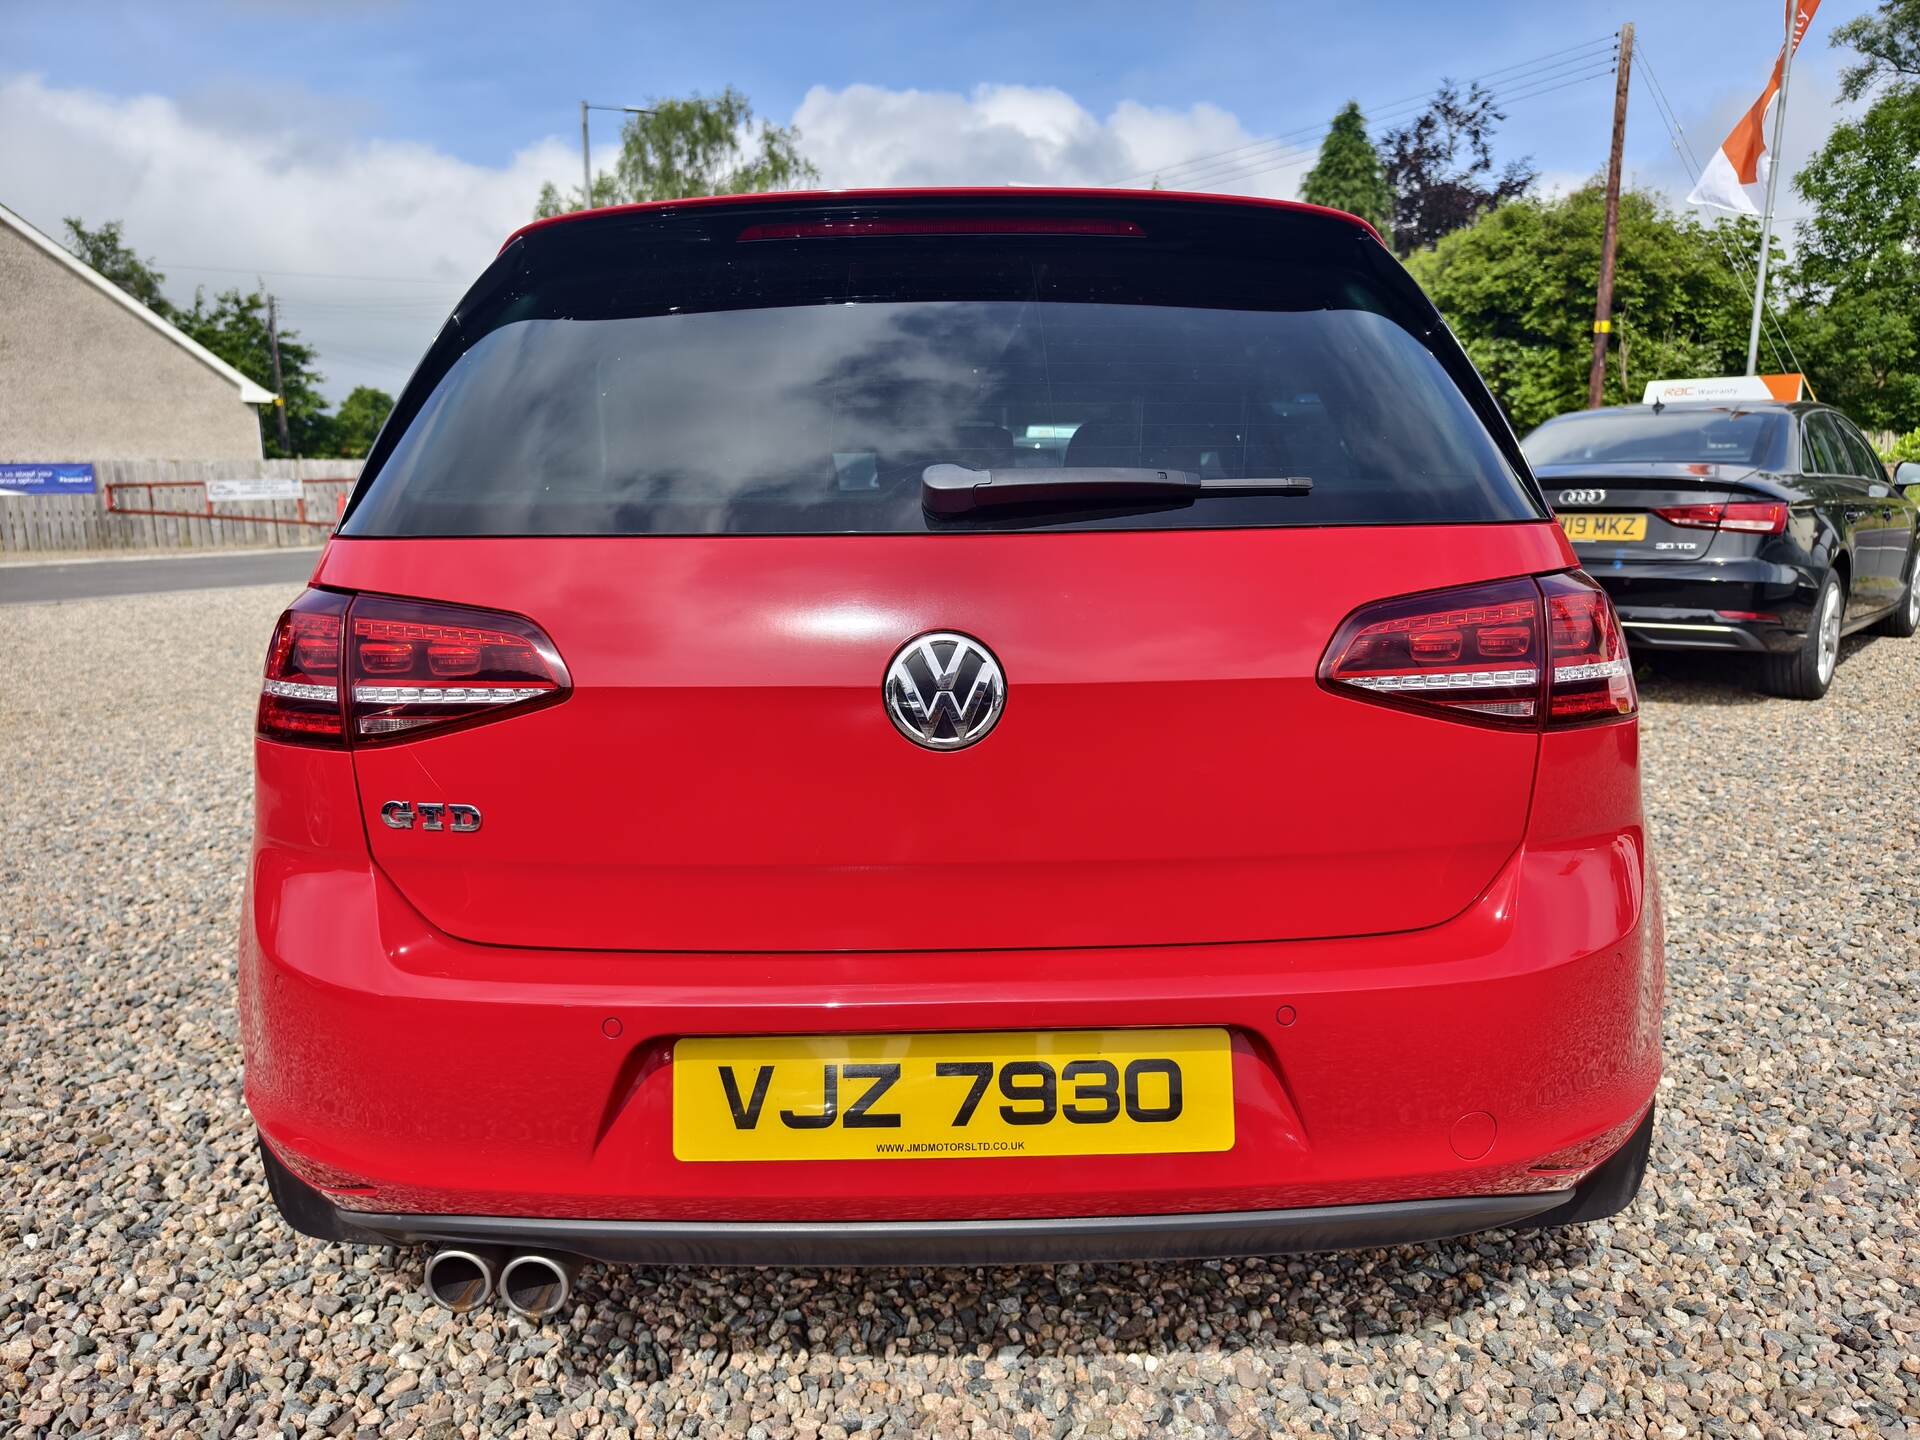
x=1167, y=769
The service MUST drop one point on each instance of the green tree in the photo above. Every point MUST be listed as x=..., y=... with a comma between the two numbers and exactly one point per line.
x=234, y=327
x=359, y=419
x=1888, y=43
x=1859, y=352
x=1855, y=281
x=1350, y=175
x=1440, y=165
x=1906, y=448
x=104, y=250
x=701, y=145
x=1517, y=288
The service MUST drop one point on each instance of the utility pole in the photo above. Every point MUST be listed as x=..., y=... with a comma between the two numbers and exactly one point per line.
x=1774, y=162
x=586, y=163
x=1610, y=232
x=279, y=394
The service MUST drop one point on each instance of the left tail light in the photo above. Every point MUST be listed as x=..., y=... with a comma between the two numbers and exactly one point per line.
x=369, y=669
x=1517, y=653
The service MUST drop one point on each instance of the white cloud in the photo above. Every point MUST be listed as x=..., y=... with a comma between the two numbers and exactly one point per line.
x=1557, y=184
x=1012, y=134
x=217, y=193
x=217, y=205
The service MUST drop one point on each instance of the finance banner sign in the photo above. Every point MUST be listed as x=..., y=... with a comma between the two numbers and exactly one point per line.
x=257, y=487
x=37, y=479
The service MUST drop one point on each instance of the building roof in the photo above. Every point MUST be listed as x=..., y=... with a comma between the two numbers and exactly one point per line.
x=251, y=393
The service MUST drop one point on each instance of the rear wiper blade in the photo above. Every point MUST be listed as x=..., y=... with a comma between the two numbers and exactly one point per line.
x=955, y=489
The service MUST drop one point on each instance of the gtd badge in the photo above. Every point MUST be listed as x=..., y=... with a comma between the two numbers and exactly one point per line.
x=402, y=815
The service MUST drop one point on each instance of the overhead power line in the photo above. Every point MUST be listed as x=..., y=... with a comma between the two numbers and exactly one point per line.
x=312, y=275
x=1506, y=99
x=305, y=303
x=1282, y=157
x=1513, y=77
x=1736, y=262
x=1387, y=110
x=1301, y=155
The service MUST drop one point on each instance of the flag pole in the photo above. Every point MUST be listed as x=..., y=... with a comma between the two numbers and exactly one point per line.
x=1774, y=161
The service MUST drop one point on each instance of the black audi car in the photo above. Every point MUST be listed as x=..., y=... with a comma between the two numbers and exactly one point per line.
x=1767, y=527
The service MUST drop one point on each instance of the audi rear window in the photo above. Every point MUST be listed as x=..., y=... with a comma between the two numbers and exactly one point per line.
x=697, y=383
x=1663, y=435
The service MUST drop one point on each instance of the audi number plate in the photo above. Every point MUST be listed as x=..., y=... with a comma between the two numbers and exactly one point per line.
x=953, y=1096
x=1591, y=528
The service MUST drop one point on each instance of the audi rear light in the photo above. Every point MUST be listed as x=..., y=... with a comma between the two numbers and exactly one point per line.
x=1518, y=653
x=1695, y=517
x=1758, y=517
x=300, y=692
x=369, y=669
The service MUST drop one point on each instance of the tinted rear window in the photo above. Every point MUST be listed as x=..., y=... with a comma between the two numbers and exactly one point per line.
x=1670, y=435
x=802, y=386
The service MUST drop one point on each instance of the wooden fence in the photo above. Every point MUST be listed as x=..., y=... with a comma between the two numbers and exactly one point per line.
x=83, y=522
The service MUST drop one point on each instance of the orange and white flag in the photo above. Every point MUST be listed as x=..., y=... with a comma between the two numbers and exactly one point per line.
x=1736, y=176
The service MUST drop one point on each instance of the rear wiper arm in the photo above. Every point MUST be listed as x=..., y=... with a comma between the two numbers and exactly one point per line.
x=954, y=489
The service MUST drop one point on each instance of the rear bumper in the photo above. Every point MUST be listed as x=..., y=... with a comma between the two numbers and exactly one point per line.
x=1606, y=1191
x=1497, y=1059
x=1696, y=605
x=975, y=1242
x=920, y=1242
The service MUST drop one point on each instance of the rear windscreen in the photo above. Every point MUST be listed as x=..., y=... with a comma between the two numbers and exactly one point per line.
x=802, y=387
x=1665, y=435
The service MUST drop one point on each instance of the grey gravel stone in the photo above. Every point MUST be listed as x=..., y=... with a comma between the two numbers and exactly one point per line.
x=1765, y=1283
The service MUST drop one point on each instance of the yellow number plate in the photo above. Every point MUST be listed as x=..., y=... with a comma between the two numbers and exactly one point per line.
x=925, y=1097
x=1604, y=529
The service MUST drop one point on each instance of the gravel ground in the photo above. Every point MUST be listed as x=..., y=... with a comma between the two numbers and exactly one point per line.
x=1764, y=1284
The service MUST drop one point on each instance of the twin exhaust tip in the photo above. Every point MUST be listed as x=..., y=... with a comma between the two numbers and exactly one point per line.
x=533, y=1283
x=537, y=1285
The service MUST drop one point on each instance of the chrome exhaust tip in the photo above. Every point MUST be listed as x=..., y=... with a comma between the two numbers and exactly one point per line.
x=461, y=1278
x=536, y=1285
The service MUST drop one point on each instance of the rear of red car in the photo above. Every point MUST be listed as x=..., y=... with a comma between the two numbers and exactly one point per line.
x=940, y=727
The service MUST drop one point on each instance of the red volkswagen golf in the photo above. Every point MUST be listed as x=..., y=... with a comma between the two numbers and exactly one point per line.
x=945, y=727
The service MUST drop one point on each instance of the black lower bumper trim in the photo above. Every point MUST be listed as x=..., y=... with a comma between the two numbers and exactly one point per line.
x=980, y=1242
x=1215, y=1235
x=1710, y=634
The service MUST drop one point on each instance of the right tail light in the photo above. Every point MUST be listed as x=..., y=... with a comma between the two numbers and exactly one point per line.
x=369, y=669
x=1516, y=653
x=1757, y=517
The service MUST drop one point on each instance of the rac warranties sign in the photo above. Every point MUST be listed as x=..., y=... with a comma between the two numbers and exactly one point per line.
x=46, y=479
x=1725, y=387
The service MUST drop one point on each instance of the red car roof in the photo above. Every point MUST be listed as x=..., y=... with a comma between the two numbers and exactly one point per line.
x=970, y=192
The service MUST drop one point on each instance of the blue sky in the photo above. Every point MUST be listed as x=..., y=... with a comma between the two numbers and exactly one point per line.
x=318, y=145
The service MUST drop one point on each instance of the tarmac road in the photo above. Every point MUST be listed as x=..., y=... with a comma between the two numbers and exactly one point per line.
x=94, y=579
